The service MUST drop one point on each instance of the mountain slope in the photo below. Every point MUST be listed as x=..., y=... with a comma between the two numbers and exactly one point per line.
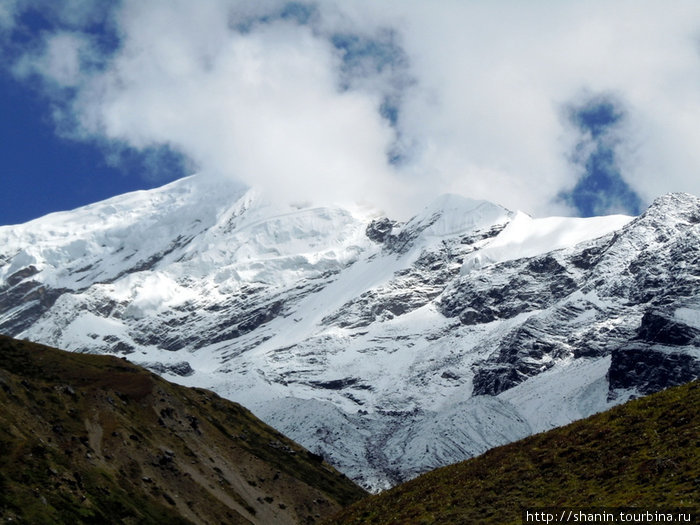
x=429, y=341
x=95, y=439
x=642, y=454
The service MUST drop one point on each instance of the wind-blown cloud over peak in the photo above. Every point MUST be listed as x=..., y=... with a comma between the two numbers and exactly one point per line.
x=387, y=102
x=263, y=107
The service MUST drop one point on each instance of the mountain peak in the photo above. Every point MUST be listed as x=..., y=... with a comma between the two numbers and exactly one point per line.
x=675, y=206
x=451, y=214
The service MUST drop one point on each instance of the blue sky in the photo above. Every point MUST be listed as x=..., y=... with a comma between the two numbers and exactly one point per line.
x=42, y=172
x=562, y=109
x=600, y=188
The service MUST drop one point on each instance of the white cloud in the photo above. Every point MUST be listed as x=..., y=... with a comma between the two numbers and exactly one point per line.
x=494, y=78
x=7, y=14
x=483, y=116
x=61, y=60
x=263, y=107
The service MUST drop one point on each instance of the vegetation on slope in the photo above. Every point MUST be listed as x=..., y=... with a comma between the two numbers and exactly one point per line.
x=95, y=439
x=645, y=453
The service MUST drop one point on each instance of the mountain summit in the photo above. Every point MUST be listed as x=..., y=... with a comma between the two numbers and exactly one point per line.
x=389, y=348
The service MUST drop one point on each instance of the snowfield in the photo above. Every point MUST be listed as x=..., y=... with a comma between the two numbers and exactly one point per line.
x=390, y=348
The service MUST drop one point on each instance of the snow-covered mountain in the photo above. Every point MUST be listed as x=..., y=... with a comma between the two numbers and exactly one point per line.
x=390, y=348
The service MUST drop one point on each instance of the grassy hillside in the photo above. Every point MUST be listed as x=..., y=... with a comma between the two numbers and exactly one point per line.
x=645, y=453
x=95, y=439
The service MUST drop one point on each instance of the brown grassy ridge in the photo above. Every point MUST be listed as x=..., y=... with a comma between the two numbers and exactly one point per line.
x=645, y=454
x=95, y=439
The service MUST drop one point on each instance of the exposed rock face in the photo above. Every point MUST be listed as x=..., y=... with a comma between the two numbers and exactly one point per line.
x=656, y=327
x=646, y=370
x=392, y=329
x=182, y=368
x=379, y=230
x=637, y=277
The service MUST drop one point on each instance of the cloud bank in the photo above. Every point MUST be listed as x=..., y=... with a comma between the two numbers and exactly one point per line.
x=385, y=102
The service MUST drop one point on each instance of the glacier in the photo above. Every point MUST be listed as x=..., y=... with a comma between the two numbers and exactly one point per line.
x=389, y=347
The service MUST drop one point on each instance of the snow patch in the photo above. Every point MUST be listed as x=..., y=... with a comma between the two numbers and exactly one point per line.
x=525, y=236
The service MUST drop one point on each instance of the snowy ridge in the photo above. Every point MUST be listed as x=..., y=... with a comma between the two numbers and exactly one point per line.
x=389, y=348
x=527, y=237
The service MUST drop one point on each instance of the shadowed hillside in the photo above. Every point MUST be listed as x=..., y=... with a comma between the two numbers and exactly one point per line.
x=95, y=439
x=645, y=453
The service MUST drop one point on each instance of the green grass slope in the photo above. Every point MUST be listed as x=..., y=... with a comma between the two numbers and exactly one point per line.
x=645, y=453
x=95, y=439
